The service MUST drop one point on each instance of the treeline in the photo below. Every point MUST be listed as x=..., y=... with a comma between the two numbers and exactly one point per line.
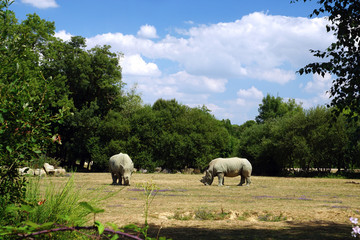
x=285, y=136
x=66, y=102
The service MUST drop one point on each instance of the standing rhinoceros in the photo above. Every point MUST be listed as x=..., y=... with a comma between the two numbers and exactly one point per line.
x=228, y=167
x=121, y=167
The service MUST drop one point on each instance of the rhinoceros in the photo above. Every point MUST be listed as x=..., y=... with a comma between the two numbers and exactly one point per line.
x=121, y=168
x=228, y=167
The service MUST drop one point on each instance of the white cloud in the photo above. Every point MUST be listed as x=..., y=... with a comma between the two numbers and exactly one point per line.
x=249, y=96
x=41, y=3
x=319, y=83
x=62, y=34
x=319, y=87
x=135, y=65
x=320, y=99
x=205, y=58
x=276, y=75
x=147, y=31
x=198, y=83
x=257, y=46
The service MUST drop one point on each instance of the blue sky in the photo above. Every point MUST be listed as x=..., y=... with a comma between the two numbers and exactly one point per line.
x=225, y=54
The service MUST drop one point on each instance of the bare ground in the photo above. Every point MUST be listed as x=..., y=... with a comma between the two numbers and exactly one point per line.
x=271, y=208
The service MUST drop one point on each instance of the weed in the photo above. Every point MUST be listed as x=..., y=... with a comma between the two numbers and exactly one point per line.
x=60, y=203
x=42, y=213
x=269, y=217
x=244, y=216
x=183, y=216
x=201, y=214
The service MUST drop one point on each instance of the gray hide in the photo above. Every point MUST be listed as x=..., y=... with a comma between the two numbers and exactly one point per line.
x=121, y=168
x=228, y=167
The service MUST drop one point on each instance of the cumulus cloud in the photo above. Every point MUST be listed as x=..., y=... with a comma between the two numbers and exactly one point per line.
x=41, y=3
x=319, y=87
x=205, y=58
x=62, y=34
x=320, y=99
x=319, y=83
x=256, y=46
x=135, y=65
x=147, y=31
x=276, y=75
x=249, y=96
x=198, y=83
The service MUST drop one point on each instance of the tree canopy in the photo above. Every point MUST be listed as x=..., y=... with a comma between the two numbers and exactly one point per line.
x=272, y=107
x=342, y=58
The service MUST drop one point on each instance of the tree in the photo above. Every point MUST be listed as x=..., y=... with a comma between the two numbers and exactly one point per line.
x=92, y=80
x=27, y=115
x=342, y=58
x=187, y=136
x=272, y=107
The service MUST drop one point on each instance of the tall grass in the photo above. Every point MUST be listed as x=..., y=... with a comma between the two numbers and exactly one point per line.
x=58, y=204
x=48, y=207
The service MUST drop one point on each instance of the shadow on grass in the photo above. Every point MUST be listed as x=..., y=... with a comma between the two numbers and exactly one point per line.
x=321, y=230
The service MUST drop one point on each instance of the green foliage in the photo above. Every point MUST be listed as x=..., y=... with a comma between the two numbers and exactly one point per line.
x=272, y=108
x=28, y=118
x=341, y=58
x=201, y=214
x=150, y=191
x=269, y=217
x=205, y=214
x=167, y=134
x=189, y=136
x=93, y=78
x=60, y=213
x=309, y=139
x=244, y=216
x=57, y=204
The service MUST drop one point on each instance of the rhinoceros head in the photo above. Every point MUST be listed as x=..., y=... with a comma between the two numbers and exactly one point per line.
x=207, y=179
x=127, y=176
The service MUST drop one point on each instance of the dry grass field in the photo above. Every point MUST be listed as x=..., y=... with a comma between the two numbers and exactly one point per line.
x=271, y=208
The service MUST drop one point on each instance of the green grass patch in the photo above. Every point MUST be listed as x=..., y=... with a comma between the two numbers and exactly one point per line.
x=269, y=217
x=244, y=216
x=201, y=214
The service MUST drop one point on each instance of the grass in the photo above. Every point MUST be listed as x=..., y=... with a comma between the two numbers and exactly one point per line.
x=200, y=214
x=56, y=203
x=271, y=208
x=49, y=205
x=269, y=217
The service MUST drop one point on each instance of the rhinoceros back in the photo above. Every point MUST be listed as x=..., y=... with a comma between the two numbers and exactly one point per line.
x=121, y=163
x=232, y=167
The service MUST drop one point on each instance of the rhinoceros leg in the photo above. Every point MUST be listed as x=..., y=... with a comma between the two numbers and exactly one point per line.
x=114, y=178
x=221, y=179
x=120, y=179
x=248, y=181
x=242, y=180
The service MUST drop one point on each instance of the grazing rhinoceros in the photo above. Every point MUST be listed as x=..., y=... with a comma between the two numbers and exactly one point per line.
x=229, y=167
x=121, y=167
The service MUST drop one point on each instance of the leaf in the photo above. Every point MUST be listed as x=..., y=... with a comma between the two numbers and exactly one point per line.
x=132, y=227
x=91, y=208
x=27, y=208
x=32, y=224
x=100, y=227
x=9, y=149
x=113, y=226
x=11, y=208
x=115, y=237
x=47, y=224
